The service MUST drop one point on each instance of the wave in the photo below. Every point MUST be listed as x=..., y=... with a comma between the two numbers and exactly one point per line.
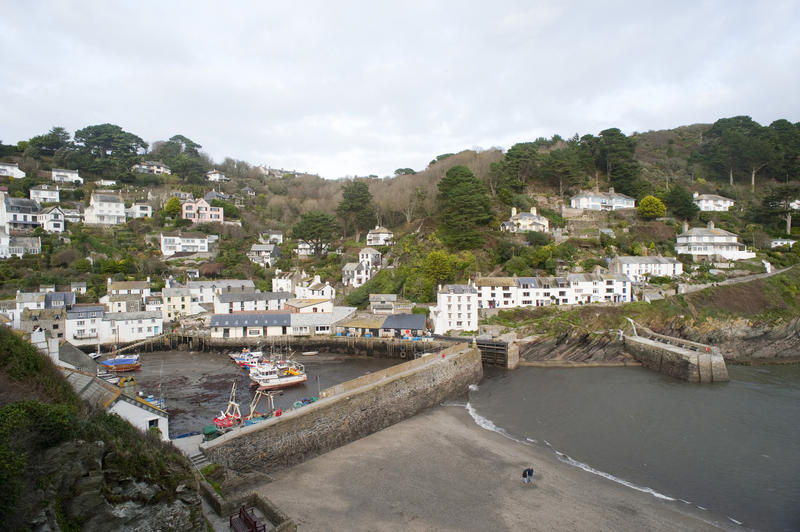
x=489, y=425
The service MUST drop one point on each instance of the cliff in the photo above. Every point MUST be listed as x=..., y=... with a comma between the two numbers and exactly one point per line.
x=67, y=466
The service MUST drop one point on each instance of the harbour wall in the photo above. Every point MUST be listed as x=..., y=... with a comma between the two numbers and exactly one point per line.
x=372, y=347
x=688, y=361
x=349, y=411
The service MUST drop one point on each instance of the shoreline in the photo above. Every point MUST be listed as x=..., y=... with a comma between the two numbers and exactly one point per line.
x=441, y=470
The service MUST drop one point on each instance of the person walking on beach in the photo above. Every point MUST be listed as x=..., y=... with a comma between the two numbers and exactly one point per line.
x=529, y=471
x=524, y=476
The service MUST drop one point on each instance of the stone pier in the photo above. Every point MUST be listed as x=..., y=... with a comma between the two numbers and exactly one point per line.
x=676, y=357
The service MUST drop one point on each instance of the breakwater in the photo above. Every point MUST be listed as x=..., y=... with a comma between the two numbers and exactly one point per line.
x=349, y=411
x=682, y=359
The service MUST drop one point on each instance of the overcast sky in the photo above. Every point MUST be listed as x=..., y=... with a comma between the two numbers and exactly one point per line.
x=358, y=88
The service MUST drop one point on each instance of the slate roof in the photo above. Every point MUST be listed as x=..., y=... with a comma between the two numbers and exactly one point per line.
x=494, y=281
x=647, y=260
x=107, y=198
x=712, y=197
x=230, y=297
x=21, y=204
x=404, y=321
x=142, y=315
x=252, y=319
x=68, y=298
x=77, y=310
x=308, y=319
x=382, y=297
x=222, y=283
x=458, y=289
x=75, y=357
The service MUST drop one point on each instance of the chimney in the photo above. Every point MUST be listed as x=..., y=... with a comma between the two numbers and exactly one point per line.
x=711, y=224
x=685, y=226
x=610, y=190
x=148, y=279
x=513, y=211
x=533, y=210
x=696, y=194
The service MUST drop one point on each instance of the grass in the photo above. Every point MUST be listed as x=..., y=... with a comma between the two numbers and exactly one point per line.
x=770, y=300
x=211, y=473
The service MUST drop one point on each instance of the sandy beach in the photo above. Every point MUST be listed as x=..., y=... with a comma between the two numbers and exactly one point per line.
x=441, y=471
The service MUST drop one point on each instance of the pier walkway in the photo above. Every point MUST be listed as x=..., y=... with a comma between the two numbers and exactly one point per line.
x=676, y=357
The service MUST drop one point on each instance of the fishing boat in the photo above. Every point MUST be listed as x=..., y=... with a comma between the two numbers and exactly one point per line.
x=246, y=358
x=231, y=417
x=277, y=375
x=122, y=363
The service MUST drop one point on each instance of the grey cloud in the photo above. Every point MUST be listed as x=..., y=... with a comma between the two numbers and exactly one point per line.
x=358, y=87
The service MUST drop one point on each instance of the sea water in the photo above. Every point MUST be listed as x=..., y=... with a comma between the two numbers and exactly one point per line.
x=731, y=448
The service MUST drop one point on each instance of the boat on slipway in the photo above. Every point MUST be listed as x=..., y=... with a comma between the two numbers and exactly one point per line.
x=276, y=375
x=232, y=416
x=122, y=363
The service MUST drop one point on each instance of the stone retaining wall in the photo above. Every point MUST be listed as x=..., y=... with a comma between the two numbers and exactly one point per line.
x=373, y=347
x=349, y=413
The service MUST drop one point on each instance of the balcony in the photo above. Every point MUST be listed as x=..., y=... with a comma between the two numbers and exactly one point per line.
x=84, y=336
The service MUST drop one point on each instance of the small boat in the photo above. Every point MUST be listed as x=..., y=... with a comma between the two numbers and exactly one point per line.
x=310, y=353
x=277, y=375
x=122, y=363
x=107, y=376
x=231, y=417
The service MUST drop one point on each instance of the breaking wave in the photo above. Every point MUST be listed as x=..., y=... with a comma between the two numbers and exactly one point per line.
x=489, y=425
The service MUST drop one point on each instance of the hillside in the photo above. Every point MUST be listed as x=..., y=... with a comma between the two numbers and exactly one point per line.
x=69, y=467
x=543, y=173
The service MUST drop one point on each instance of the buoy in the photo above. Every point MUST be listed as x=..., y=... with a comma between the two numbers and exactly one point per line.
x=278, y=412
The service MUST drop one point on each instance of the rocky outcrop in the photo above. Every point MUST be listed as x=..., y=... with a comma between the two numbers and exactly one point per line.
x=741, y=340
x=83, y=492
x=584, y=348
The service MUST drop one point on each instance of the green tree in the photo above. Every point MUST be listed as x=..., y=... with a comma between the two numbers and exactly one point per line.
x=50, y=142
x=650, y=207
x=777, y=203
x=616, y=156
x=785, y=164
x=681, y=203
x=464, y=206
x=317, y=229
x=438, y=266
x=739, y=144
x=107, y=148
x=229, y=210
x=183, y=157
x=173, y=207
x=404, y=171
x=356, y=209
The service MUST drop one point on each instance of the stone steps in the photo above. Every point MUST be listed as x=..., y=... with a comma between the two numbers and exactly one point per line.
x=199, y=460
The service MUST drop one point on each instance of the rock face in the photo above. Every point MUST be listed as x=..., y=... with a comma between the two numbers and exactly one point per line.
x=578, y=348
x=82, y=492
x=741, y=340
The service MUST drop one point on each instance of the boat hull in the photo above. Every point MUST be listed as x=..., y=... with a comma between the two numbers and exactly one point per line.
x=279, y=384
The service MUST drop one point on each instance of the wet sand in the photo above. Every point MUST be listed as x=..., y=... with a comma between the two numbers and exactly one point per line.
x=441, y=471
